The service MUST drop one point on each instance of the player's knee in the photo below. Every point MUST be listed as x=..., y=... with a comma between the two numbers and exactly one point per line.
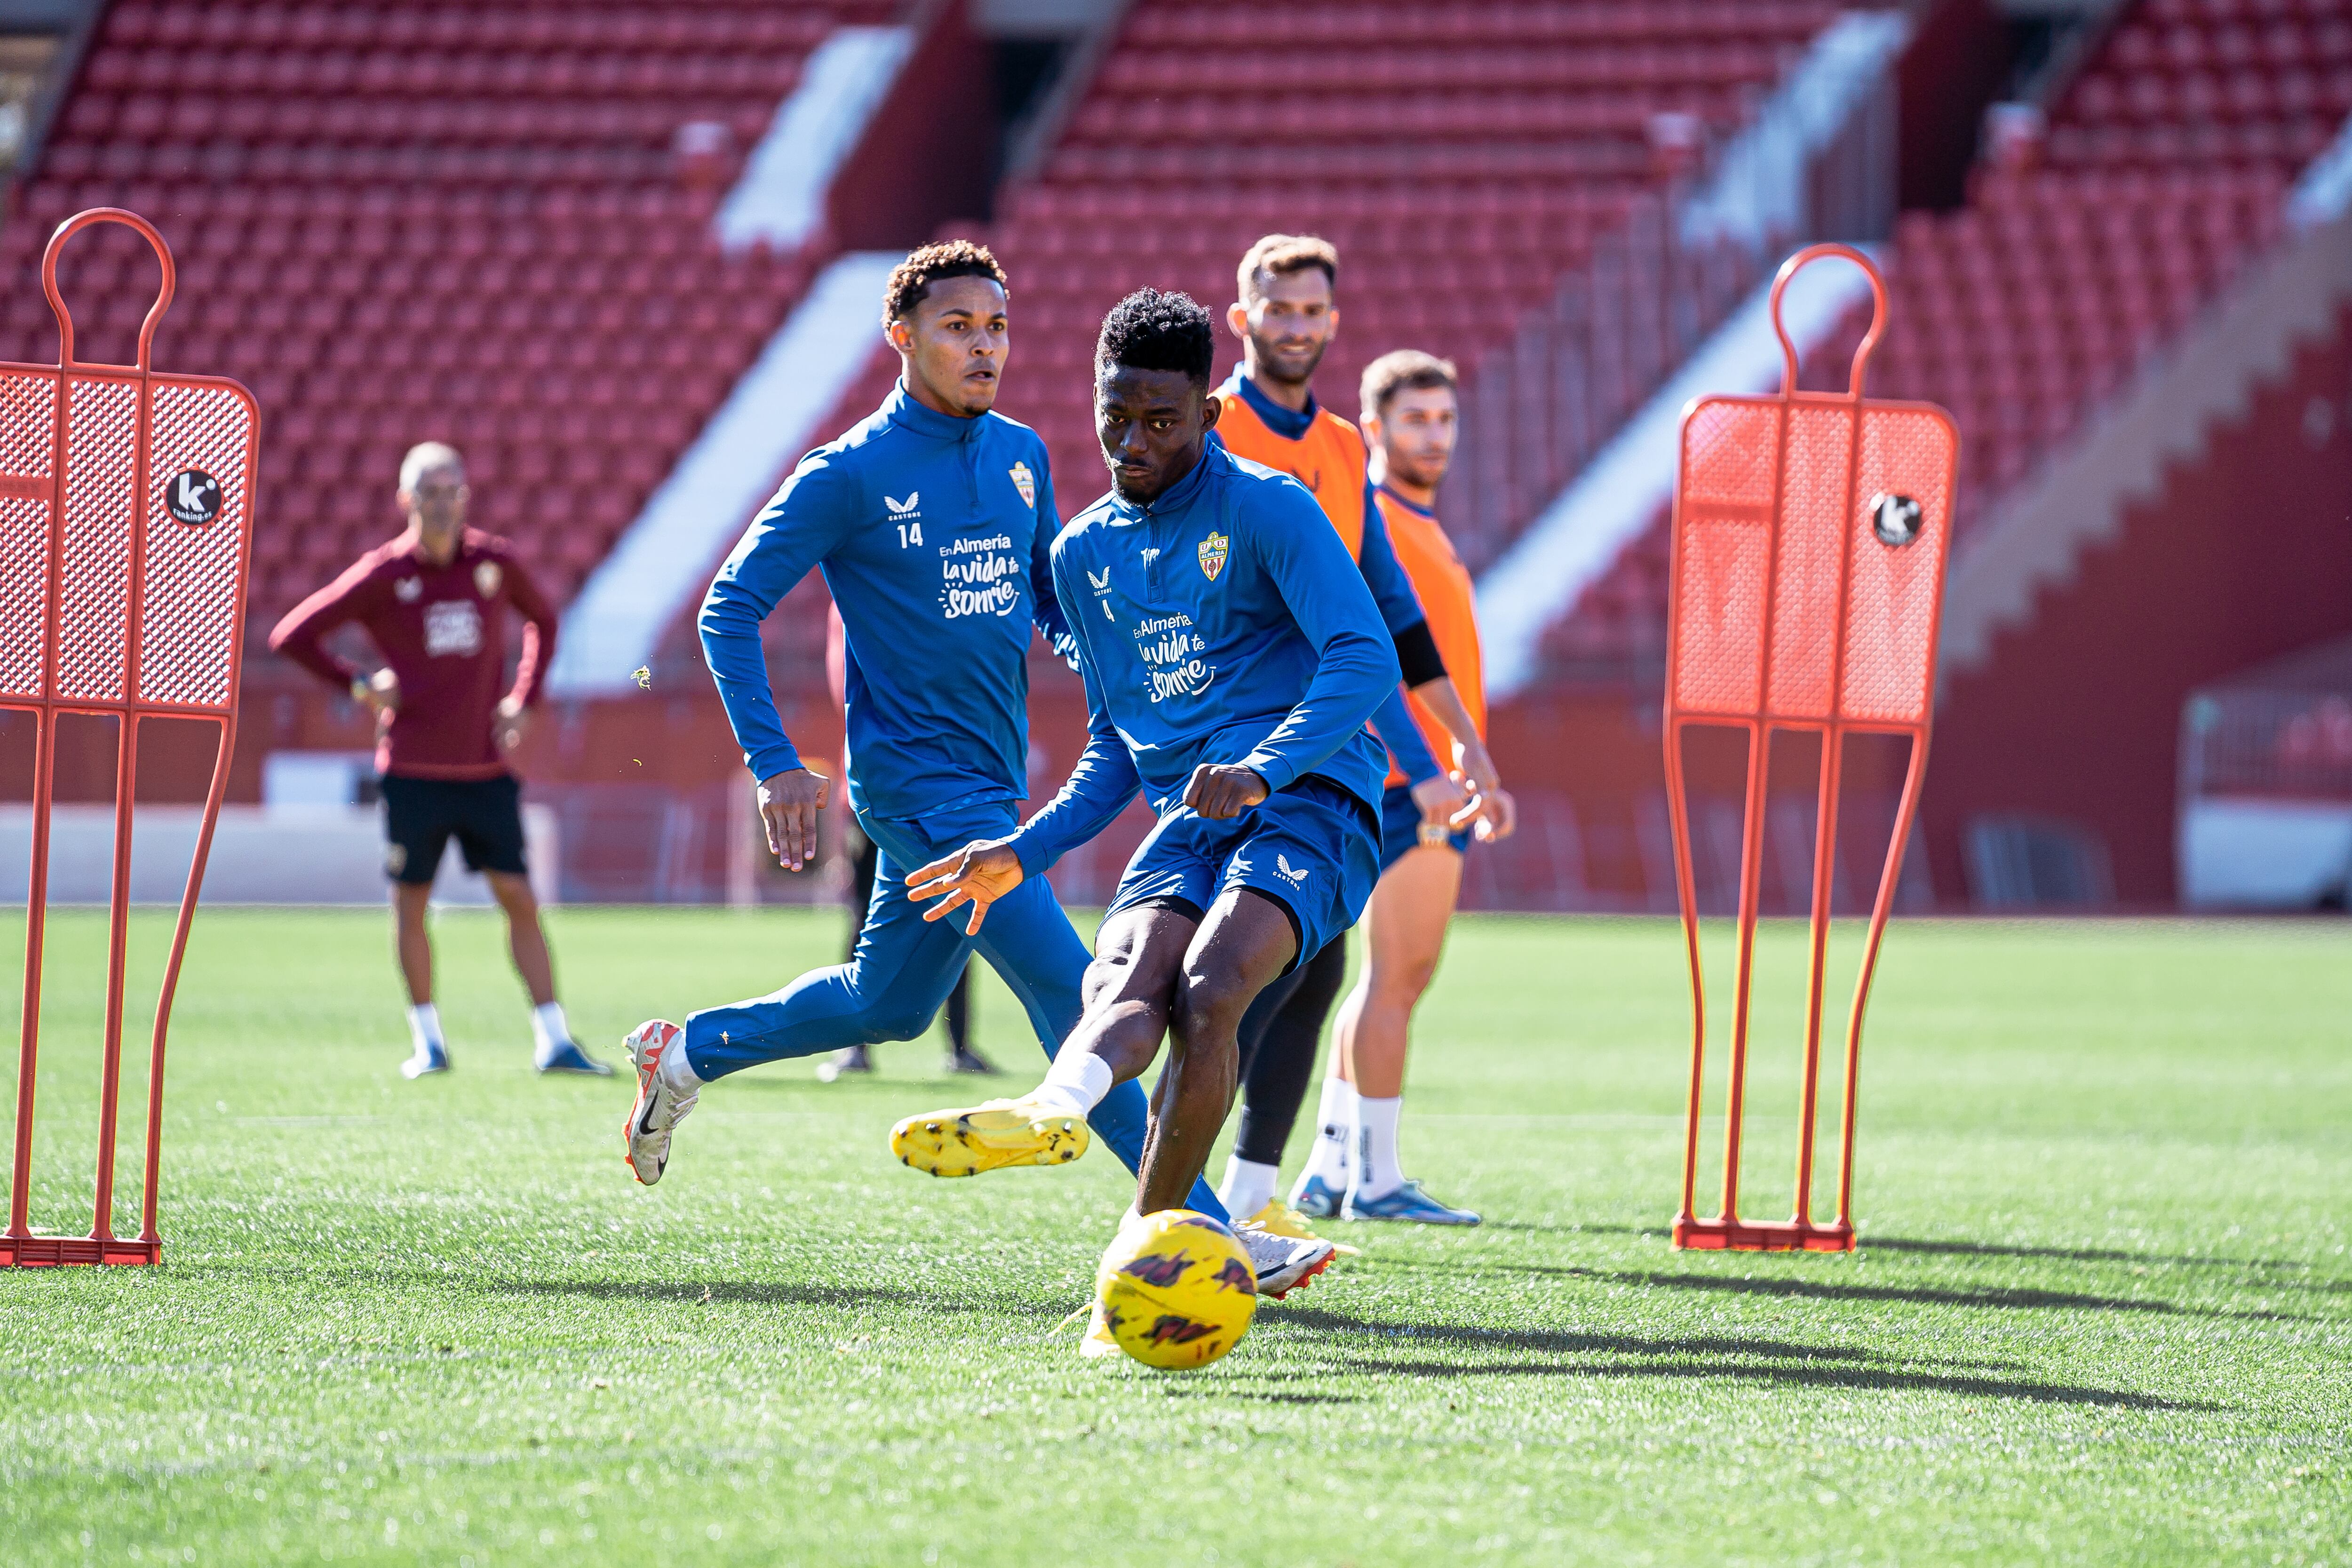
x=1109, y=976
x=886, y=1019
x=513, y=894
x=1401, y=984
x=1210, y=1000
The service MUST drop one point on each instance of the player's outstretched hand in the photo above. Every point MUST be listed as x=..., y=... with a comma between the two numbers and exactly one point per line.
x=1492, y=816
x=788, y=806
x=1220, y=790
x=979, y=874
x=1477, y=765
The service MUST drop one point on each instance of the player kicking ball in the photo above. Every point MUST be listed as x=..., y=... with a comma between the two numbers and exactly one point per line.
x=1231, y=655
x=931, y=520
x=1409, y=404
x=434, y=603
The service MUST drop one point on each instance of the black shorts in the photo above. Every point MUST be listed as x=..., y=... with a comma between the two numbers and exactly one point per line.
x=420, y=816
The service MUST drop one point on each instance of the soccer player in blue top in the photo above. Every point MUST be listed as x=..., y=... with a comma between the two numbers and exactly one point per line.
x=931, y=520
x=1232, y=656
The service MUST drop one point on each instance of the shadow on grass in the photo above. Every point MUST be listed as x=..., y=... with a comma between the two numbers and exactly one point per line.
x=1875, y=1243
x=765, y=1293
x=2102, y=1254
x=1753, y=1361
x=1856, y=1377
x=2005, y=1297
x=1262, y=1396
x=691, y=1290
x=1562, y=1343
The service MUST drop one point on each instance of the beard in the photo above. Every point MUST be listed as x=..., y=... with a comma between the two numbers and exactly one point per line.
x=1268, y=361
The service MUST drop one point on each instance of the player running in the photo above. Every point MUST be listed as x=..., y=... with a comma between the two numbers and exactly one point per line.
x=931, y=520
x=863, y=853
x=434, y=603
x=1410, y=410
x=1232, y=656
x=1286, y=312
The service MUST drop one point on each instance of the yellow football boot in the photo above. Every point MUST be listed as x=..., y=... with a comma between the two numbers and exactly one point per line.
x=987, y=1137
x=1278, y=1218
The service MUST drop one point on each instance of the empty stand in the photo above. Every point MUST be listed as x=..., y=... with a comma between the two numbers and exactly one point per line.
x=2163, y=173
x=1462, y=157
x=429, y=220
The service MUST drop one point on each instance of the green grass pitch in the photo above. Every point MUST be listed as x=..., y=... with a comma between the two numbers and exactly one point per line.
x=2103, y=1311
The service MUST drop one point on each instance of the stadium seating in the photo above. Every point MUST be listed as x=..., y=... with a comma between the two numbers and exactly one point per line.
x=434, y=219
x=2163, y=173
x=1462, y=157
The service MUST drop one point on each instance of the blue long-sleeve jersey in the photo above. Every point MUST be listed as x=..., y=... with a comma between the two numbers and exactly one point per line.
x=1223, y=622
x=933, y=534
x=1385, y=575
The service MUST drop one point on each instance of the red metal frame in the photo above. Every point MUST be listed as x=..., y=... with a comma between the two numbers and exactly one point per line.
x=1785, y=483
x=116, y=571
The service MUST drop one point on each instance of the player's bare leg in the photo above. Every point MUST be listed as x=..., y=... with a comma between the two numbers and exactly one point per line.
x=1245, y=942
x=1139, y=957
x=411, y=944
x=553, y=1050
x=1404, y=929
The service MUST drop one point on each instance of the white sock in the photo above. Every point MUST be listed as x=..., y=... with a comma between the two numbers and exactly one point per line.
x=548, y=1029
x=1335, y=1133
x=424, y=1027
x=1249, y=1186
x=1377, y=1171
x=676, y=1070
x=1075, y=1084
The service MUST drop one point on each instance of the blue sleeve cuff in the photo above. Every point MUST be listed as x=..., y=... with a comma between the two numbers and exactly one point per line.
x=769, y=761
x=1271, y=766
x=1036, y=856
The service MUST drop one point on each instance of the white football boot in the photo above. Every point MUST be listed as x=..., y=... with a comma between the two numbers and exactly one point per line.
x=1283, y=1263
x=660, y=1106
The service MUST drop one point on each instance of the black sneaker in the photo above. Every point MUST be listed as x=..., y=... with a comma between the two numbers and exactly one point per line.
x=963, y=1061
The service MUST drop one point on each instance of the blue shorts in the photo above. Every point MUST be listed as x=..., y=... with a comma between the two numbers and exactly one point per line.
x=1401, y=827
x=1311, y=847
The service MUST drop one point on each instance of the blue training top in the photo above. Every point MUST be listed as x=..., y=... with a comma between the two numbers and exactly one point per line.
x=1385, y=575
x=1223, y=622
x=932, y=532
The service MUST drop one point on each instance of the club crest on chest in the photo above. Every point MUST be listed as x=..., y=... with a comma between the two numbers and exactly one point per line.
x=1025, y=482
x=1212, y=555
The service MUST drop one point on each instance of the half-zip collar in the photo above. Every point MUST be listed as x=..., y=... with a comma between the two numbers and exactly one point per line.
x=903, y=410
x=1175, y=498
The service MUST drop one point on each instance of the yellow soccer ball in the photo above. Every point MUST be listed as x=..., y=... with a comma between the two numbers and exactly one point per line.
x=1177, y=1291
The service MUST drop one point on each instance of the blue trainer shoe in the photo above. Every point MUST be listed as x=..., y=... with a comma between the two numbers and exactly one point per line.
x=1316, y=1198
x=1406, y=1203
x=431, y=1057
x=569, y=1058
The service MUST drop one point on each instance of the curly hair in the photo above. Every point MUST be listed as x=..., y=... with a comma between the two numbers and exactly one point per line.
x=1150, y=330
x=911, y=279
x=1282, y=255
x=1399, y=370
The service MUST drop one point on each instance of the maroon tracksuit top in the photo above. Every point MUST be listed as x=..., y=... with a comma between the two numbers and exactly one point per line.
x=442, y=630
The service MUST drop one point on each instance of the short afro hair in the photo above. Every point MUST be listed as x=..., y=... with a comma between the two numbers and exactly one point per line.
x=1401, y=370
x=1281, y=256
x=911, y=279
x=1150, y=330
